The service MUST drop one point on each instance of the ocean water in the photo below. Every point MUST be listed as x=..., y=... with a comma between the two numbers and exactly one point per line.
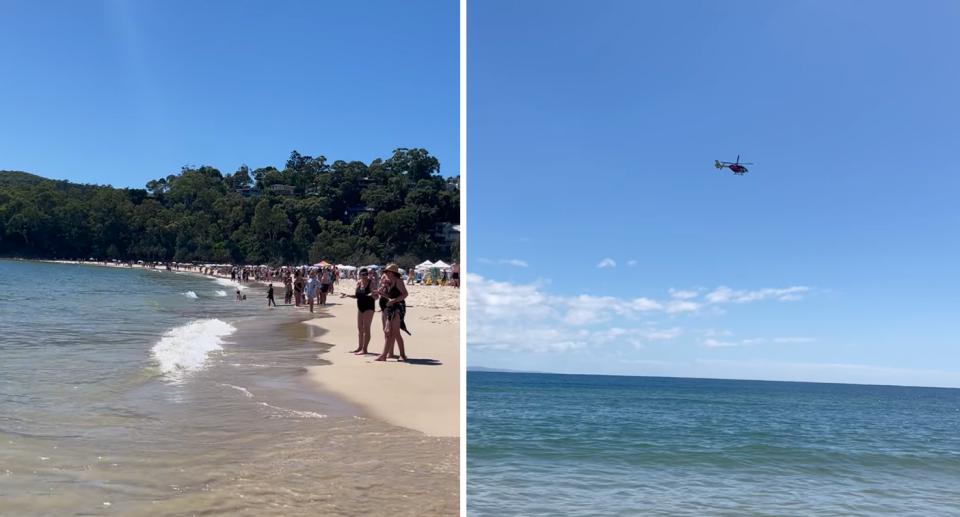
x=129, y=392
x=546, y=445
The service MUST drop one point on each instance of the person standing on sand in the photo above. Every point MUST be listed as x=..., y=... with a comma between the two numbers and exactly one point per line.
x=324, y=286
x=366, y=306
x=396, y=310
x=455, y=275
x=313, y=288
x=288, y=284
x=270, y=299
x=298, y=287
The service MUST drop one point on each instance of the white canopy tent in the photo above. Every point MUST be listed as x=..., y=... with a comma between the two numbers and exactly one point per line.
x=424, y=265
x=441, y=264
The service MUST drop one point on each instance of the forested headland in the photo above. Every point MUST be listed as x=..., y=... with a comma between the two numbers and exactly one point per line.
x=399, y=209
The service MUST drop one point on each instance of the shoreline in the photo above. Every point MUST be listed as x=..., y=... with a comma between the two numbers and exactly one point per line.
x=422, y=395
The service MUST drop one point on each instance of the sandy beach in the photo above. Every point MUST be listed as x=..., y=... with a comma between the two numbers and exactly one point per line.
x=423, y=394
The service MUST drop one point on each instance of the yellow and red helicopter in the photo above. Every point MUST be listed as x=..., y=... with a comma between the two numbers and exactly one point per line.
x=736, y=167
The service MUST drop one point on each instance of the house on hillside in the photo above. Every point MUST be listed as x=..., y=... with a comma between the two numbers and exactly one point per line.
x=447, y=233
x=248, y=192
x=283, y=190
x=357, y=210
x=453, y=183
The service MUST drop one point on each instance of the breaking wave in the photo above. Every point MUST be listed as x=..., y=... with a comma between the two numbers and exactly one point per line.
x=185, y=348
x=228, y=283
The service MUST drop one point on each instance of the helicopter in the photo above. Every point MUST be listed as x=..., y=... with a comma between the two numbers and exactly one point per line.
x=736, y=167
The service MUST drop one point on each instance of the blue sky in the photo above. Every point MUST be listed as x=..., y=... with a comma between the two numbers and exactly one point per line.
x=592, y=130
x=122, y=92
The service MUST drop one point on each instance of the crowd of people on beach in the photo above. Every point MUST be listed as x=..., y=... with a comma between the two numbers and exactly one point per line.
x=303, y=286
x=383, y=287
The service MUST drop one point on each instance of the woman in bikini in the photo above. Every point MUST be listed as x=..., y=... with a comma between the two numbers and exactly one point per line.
x=366, y=306
x=395, y=311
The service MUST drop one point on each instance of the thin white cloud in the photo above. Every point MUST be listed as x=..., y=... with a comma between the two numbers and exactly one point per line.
x=632, y=263
x=743, y=342
x=607, y=263
x=683, y=295
x=644, y=304
x=665, y=334
x=675, y=306
x=715, y=342
x=756, y=341
x=509, y=262
x=724, y=294
x=713, y=332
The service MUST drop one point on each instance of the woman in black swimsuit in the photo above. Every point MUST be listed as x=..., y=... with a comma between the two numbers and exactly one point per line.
x=396, y=310
x=366, y=306
x=297, y=287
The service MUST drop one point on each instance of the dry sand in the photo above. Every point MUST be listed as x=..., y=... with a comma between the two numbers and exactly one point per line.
x=424, y=394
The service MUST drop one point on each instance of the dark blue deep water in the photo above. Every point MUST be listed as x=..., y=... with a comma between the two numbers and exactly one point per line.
x=579, y=445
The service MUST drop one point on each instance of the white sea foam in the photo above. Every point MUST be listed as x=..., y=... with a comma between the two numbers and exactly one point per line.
x=185, y=348
x=190, y=294
x=239, y=388
x=227, y=282
x=294, y=412
x=221, y=293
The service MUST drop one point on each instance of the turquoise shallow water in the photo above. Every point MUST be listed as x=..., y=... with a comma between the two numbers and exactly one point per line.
x=540, y=445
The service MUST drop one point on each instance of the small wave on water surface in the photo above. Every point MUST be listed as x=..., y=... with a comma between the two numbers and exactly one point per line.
x=241, y=389
x=229, y=283
x=221, y=293
x=190, y=294
x=186, y=347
